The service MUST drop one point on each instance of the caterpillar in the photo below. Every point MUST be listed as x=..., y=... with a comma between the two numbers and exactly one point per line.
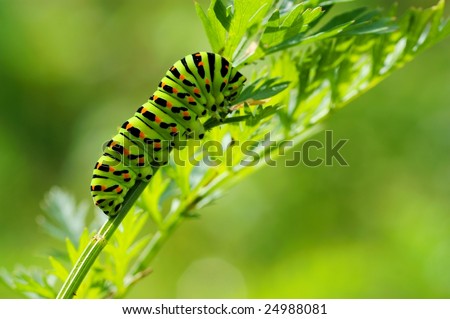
x=198, y=86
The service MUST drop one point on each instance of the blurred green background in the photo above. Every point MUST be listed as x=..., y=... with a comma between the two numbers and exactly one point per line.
x=72, y=71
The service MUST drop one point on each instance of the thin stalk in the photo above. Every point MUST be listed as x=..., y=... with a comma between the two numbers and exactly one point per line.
x=96, y=245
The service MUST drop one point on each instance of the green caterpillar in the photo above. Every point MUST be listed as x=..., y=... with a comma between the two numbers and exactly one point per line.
x=199, y=85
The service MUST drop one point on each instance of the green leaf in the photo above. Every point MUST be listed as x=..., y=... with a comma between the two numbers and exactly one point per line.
x=262, y=89
x=292, y=25
x=342, y=19
x=261, y=114
x=223, y=14
x=305, y=39
x=58, y=269
x=272, y=29
x=63, y=218
x=150, y=198
x=33, y=282
x=214, y=29
x=247, y=16
x=72, y=251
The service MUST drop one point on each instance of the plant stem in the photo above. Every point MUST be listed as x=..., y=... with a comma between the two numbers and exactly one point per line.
x=97, y=243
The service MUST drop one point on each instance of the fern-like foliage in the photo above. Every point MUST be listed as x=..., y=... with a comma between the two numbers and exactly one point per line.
x=301, y=70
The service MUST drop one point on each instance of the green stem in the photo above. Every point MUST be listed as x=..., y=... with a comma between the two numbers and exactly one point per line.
x=96, y=245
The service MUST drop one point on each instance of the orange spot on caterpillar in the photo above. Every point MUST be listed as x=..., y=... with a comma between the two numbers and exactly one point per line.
x=126, y=151
x=207, y=81
x=111, y=169
x=174, y=129
x=141, y=160
x=196, y=90
x=103, y=188
x=169, y=105
x=129, y=126
x=143, y=110
x=141, y=135
x=186, y=113
x=225, y=81
x=118, y=189
x=174, y=90
x=126, y=175
x=197, y=54
x=163, y=84
x=200, y=63
x=158, y=119
x=190, y=99
x=182, y=77
x=157, y=145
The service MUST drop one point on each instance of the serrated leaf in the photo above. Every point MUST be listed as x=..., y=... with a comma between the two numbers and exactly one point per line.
x=74, y=252
x=63, y=218
x=266, y=90
x=58, y=269
x=33, y=282
x=262, y=89
x=272, y=29
x=261, y=114
x=151, y=197
x=139, y=245
x=313, y=15
x=295, y=22
x=307, y=39
x=71, y=251
x=246, y=15
x=213, y=27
